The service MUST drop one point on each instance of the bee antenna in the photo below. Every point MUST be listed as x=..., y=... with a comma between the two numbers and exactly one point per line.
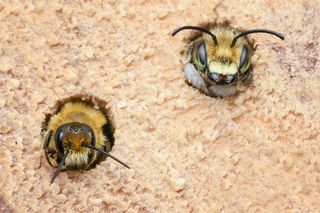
x=60, y=166
x=279, y=35
x=195, y=28
x=107, y=154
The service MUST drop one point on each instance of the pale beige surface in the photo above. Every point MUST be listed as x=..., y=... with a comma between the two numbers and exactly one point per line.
x=256, y=152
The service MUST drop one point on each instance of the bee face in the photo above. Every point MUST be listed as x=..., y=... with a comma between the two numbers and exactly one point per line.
x=219, y=61
x=73, y=136
x=221, y=65
x=78, y=135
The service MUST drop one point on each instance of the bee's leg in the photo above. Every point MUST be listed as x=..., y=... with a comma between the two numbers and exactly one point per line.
x=247, y=76
x=194, y=78
x=52, y=157
x=47, y=140
x=108, y=132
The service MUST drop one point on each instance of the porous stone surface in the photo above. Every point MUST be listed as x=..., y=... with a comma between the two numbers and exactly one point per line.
x=257, y=151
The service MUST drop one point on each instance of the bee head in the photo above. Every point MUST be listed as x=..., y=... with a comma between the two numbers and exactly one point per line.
x=73, y=136
x=214, y=55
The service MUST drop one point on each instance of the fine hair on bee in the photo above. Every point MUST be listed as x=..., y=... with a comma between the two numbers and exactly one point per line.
x=78, y=134
x=218, y=62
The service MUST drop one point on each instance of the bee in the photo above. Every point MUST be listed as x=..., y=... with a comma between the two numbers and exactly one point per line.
x=78, y=135
x=218, y=62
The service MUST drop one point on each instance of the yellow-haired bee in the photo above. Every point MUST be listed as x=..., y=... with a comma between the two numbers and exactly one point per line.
x=218, y=63
x=78, y=135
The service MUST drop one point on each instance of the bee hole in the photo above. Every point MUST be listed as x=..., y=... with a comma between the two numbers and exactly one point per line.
x=86, y=110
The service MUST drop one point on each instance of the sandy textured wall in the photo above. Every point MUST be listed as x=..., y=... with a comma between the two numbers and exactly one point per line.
x=256, y=152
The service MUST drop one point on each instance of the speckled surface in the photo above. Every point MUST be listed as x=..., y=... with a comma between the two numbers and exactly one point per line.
x=255, y=152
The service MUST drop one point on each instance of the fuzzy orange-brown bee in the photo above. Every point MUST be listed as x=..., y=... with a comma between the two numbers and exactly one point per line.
x=78, y=135
x=218, y=62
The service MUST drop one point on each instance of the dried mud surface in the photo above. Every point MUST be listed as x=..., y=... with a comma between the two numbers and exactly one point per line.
x=255, y=152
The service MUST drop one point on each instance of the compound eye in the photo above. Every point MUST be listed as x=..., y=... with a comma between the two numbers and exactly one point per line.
x=59, y=139
x=92, y=139
x=244, y=57
x=201, y=56
x=202, y=52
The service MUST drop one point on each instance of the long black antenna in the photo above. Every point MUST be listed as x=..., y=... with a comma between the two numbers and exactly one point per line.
x=279, y=35
x=107, y=154
x=195, y=28
x=60, y=166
